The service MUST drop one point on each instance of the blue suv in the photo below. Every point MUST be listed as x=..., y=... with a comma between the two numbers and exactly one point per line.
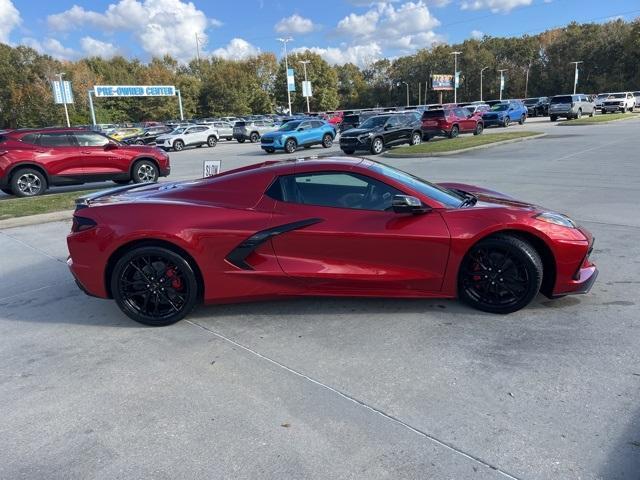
x=298, y=133
x=504, y=113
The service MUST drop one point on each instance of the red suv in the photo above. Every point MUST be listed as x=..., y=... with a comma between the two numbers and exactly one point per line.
x=450, y=122
x=32, y=160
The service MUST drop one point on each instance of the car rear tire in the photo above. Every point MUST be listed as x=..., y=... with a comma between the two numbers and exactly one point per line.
x=28, y=182
x=154, y=286
x=254, y=137
x=348, y=151
x=455, y=131
x=327, y=141
x=553, y=118
x=479, y=129
x=229, y=139
x=139, y=142
x=506, y=122
x=579, y=114
x=290, y=146
x=377, y=145
x=500, y=274
x=416, y=138
x=178, y=145
x=145, y=171
x=269, y=150
x=240, y=140
x=212, y=141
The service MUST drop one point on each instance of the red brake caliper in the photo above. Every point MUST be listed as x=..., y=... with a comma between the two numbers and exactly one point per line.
x=176, y=282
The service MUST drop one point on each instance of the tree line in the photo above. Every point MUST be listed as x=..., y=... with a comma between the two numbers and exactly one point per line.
x=536, y=65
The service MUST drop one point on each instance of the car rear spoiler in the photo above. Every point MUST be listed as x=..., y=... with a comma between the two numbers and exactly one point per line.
x=86, y=200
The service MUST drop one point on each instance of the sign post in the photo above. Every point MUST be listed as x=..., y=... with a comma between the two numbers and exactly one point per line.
x=502, y=81
x=63, y=94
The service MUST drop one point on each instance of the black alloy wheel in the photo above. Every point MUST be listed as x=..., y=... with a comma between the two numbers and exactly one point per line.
x=500, y=274
x=290, y=145
x=154, y=286
x=327, y=140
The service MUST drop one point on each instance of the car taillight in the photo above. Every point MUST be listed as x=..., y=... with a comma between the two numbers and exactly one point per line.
x=80, y=224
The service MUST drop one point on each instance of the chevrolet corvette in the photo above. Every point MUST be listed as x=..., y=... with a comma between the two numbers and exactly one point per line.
x=320, y=227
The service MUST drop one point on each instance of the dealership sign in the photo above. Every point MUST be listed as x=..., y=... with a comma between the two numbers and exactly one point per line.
x=442, y=82
x=134, y=90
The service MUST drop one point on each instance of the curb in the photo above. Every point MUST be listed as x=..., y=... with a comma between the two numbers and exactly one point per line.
x=462, y=150
x=570, y=124
x=36, y=219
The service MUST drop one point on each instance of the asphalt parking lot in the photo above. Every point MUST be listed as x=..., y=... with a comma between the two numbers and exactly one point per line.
x=341, y=388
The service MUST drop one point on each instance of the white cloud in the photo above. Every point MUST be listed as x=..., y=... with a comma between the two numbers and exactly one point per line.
x=50, y=46
x=495, y=6
x=295, y=24
x=407, y=27
x=160, y=26
x=96, y=48
x=360, y=55
x=236, y=49
x=477, y=34
x=10, y=18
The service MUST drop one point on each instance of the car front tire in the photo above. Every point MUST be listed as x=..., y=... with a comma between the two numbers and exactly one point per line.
x=455, y=131
x=145, y=171
x=212, y=141
x=178, y=145
x=28, y=182
x=254, y=137
x=416, y=138
x=479, y=129
x=154, y=286
x=290, y=145
x=377, y=145
x=500, y=274
x=327, y=141
x=506, y=122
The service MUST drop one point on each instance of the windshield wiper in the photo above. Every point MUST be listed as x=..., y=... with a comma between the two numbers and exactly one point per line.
x=469, y=199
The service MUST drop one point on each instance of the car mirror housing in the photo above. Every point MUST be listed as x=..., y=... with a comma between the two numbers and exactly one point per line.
x=111, y=146
x=408, y=204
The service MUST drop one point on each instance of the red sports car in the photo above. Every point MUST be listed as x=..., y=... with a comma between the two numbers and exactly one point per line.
x=331, y=226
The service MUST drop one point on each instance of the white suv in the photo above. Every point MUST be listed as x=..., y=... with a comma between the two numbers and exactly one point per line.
x=182, y=137
x=619, y=102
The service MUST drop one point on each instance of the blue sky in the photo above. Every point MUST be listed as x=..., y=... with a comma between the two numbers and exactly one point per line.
x=358, y=31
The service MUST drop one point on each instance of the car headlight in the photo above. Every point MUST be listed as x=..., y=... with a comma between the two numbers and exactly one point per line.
x=556, y=219
x=364, y=137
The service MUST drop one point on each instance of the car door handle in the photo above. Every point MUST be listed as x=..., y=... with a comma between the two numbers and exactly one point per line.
x=41, y=151
x=85, y=153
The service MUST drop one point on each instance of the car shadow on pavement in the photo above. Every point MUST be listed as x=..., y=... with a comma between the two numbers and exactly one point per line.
x=623, y=461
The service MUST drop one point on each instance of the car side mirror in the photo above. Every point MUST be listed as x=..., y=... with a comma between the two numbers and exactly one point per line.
x=111, y=146
x=408, y=204
x=299, y=129
x=388, y=127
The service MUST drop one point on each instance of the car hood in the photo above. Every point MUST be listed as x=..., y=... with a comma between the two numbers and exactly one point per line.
x=488, y=198
x=274, y=134
x=355, y=132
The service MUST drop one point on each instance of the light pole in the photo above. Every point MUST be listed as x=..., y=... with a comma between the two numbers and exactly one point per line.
x=481, y=70
x=407, y=92
x=304, y=66
x=455, y=76
x=286, y=68
x=526, y=82
x=502, y=81
x=198, y=48
x=575, y=76
x=64, y=98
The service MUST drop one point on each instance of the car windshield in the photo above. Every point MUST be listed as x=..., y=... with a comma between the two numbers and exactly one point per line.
x=499, y=107
x=603, y=95
x=290, y=126
x=531, y=101
x=562, y=99
x=445, y=196
x=618, y=95
x=374, y=122
x=178, y=131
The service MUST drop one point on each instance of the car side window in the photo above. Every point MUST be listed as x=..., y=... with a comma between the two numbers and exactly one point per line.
x=305, y=125
x=55, y=140
x=89, y=139
x=334, y=189
x=31, y=138
x=462, y=113
x=316, y=124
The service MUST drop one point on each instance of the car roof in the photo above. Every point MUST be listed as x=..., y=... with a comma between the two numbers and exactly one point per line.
x=24, y=131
